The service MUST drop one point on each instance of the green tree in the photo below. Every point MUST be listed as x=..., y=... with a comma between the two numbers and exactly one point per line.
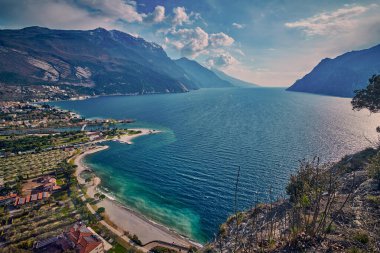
x=368, y=98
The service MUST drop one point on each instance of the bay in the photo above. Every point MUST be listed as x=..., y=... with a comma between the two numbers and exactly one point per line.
x=184, y=177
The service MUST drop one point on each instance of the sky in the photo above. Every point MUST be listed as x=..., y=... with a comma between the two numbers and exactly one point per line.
x=270, y=43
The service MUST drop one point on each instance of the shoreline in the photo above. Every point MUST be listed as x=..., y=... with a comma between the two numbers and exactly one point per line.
x=126, y=138
x=122, y=216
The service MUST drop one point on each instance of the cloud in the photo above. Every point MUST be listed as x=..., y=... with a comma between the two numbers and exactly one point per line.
x=220, y=39
x=190, y=42
x=195, y=41
x=221, y=60
x=238, y=26
x=56, y=14
x=77, y=14
x=180, y=16
x=125, y=10
x=157, y=16
x=326, y=23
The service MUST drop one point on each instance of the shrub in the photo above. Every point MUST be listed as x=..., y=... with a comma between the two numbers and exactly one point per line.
x=374, y=168
x=361, y=237
x=136, y=239
x=374, y=199
x=160, y=249
x=192, y=249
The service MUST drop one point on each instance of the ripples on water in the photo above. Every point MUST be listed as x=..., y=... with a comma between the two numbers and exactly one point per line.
x=184, y=177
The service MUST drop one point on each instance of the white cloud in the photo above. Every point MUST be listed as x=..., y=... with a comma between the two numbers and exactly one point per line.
x=157, y=16
x=190, y=42
x=238, y=26
x=221, y=60
x=125, y=10
x=220, y=39
x=195, y=41
x=57, y=14
x=180, y=16
x=326, y=23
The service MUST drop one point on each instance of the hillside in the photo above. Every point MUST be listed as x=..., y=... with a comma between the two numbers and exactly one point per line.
x=234, y=81
x=203, y=77
x=95, y=62
x=342, y=75
x=331, y=208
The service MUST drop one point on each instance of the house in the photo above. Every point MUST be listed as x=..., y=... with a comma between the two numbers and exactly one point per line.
x=49, y=184
x=79, y=238
x=31, y=198
x=85, y=241
x=5, y=200
x=56, y=244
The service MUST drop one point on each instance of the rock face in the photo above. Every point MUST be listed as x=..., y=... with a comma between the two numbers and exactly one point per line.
x=96, y=61
x=342, y=75
x=203, y=77
x=347, y=214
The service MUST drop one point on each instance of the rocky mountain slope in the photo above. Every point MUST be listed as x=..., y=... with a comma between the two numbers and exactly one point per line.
x=96, y=62
x=342, y=75
x=331, y=208
x=203, y=77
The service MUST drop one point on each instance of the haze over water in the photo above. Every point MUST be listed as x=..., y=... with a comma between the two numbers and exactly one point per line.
x=184, y=177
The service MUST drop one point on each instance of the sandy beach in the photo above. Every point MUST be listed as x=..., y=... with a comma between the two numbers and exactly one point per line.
x=128, y=138
x=124, y=218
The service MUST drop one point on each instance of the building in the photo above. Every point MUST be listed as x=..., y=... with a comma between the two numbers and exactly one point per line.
x=85, y=241
x=78, y=239
x=48, y=184
x=5, y=200
x=18, y=201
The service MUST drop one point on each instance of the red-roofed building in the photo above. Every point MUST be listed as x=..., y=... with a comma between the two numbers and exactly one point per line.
x=5, y=200
x=85, y=241
x=33, y=197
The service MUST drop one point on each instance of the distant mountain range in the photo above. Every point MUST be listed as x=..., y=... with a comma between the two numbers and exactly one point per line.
x=342, y=75
x=234, y=81
x=203, y=77
x=97, y=62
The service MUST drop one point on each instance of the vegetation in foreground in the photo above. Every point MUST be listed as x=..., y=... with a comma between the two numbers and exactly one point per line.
x=330, y=207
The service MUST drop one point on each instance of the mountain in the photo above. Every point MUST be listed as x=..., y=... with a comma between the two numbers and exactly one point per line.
x=234, y=81
x=95, y=61
x=342, y=75
x=203, y=77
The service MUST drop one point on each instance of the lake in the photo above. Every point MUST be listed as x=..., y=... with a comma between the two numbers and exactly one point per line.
x=184, y=177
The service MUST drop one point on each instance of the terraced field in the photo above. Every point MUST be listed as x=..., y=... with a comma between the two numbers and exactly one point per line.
x=30, y=165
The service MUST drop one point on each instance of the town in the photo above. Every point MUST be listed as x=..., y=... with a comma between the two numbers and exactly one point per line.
x=43, y=207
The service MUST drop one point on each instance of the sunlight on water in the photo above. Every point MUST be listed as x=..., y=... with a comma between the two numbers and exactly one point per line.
x=183, y=178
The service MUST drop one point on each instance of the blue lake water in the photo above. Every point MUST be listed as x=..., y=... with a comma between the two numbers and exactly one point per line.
x=184, y=177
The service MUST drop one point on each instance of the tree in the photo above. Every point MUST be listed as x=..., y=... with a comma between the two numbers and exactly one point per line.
x=368, y=98
x=101, y=197
x=101, y=210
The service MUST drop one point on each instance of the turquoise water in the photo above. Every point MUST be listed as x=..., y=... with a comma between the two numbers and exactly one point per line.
x=184, y=177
